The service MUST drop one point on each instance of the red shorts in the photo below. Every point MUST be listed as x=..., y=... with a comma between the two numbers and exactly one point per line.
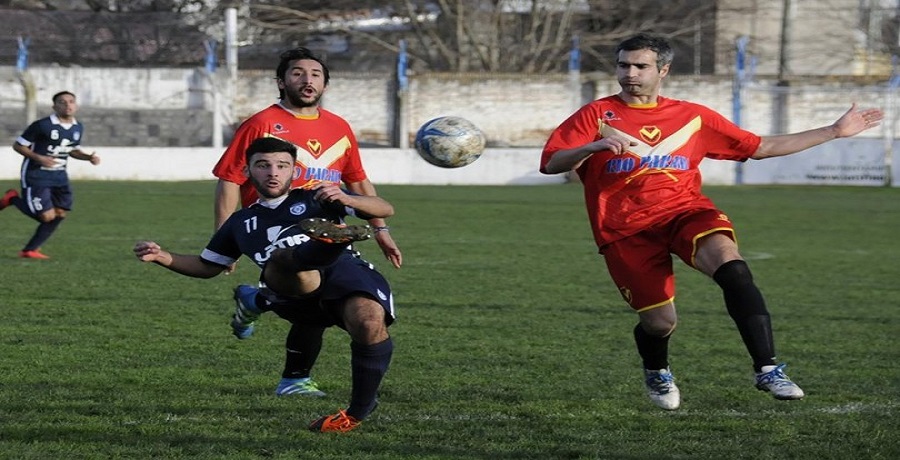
x=641, y=264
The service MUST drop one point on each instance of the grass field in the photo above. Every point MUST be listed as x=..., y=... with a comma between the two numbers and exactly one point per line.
x=511, y=342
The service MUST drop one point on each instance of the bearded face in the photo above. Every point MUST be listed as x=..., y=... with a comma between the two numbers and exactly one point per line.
x=303, y=83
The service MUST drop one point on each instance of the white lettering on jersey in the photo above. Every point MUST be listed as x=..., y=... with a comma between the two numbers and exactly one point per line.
x=278, y=243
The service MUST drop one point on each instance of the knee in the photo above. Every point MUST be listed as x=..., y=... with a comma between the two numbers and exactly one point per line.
x=370, y=332
x=659, y=327
x=49, y=216
x=733, y=274
x=659, y=322
x=364, y=320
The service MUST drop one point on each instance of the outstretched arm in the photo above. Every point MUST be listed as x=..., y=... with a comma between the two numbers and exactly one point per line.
x=193, y=266
x=850, y=124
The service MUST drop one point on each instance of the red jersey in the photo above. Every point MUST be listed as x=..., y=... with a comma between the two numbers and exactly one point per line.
x=327, y=150
x=660, y=176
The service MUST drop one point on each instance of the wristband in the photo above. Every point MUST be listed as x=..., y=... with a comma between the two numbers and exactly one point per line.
x=382, y=229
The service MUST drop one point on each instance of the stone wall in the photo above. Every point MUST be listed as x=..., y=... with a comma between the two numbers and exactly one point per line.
x=125, y=127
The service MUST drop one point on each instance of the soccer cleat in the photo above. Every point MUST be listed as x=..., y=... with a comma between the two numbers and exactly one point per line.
x=245, y=311
x=298, y=387
x=661, y=388
x=33, y=254
x=327, y=231
x=7, y=198
x=774, y=380
x=337, y=423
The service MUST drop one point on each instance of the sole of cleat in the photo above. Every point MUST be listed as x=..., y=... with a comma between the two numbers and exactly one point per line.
x=329, y=232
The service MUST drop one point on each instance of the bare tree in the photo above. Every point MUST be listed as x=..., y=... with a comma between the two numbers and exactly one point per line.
x=531, y=36
x=108, y=32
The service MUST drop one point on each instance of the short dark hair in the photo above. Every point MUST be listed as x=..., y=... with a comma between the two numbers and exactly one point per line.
x=296, y=54
x=645, y=41
x=62, y=93
x=270, y=145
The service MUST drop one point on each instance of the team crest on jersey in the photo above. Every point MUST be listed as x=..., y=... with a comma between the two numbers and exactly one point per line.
x=314, y=146
x=298, y=209
x=651, y=134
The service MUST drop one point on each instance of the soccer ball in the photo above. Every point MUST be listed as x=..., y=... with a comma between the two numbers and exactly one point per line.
x=449, y=142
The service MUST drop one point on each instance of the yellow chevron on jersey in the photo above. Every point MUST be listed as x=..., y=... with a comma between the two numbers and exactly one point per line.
x=651, y=134
x=314, y=146
x=670, y=144
x=314, y=156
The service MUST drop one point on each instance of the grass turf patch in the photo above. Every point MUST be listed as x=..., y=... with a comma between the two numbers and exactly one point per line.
x=511, y=342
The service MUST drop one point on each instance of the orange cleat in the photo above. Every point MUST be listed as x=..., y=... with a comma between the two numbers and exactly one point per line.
x=7, y=198
x=337, y=423
x=35, y=254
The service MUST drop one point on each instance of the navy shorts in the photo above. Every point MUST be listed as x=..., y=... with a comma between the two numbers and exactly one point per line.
x=348, y=276
x=42, y=198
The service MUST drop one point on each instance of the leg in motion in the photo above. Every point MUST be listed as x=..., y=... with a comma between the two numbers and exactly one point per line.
x=746, y=306
x=371, y=349
x=49, y=222
x=653, y=348
x=302, y=347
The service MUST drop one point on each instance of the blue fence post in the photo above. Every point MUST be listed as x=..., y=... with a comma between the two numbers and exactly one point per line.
x=736, y=98
x=211, y=61
x=22, y=54
x=890, y=115
x=575, y=55
x=402, y=115
x=402, y=65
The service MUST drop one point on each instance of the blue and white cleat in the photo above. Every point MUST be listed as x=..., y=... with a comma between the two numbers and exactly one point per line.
x=661, y=388
x=774, y=380
x=245, y=311
x=298, y=387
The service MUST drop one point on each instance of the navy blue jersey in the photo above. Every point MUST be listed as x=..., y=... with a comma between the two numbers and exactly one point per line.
x=49, y=136
x=257, y=231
